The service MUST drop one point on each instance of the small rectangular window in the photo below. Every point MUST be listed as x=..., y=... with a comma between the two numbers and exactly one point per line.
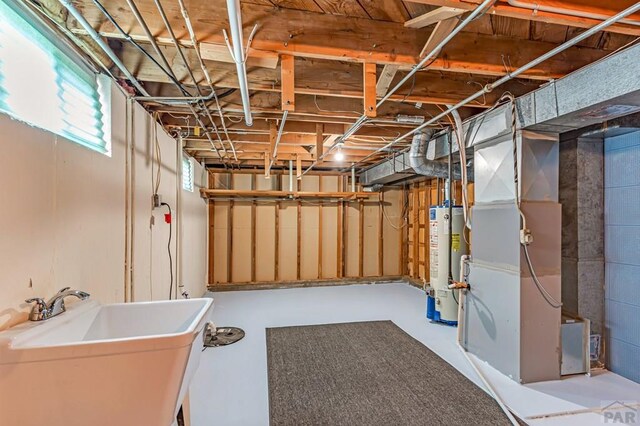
x=44, y=85
x=187, y=174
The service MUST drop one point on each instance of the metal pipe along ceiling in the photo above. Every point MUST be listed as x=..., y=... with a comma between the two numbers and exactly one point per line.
x=472, y=16
x=239, y=57
x=568, y=12
x=103, y=45
x=489, y=87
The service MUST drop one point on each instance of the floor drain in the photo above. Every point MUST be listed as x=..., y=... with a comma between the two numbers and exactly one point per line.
x=223, y=336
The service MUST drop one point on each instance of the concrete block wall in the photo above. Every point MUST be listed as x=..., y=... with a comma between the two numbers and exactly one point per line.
x=582, y=198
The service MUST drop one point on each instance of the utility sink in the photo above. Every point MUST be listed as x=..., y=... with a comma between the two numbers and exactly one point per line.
x=117, y=364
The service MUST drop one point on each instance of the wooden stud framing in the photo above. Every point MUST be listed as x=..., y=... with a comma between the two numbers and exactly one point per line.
x=320, y=231
x=288, y=83
x=360, y=238
x=212, y=252
x=299, y=240
x=380, y=235
x=253, y=231
x=298, y=167
x=341, y=232
x=369, y=79
x=416, y=231
x=230, y=242
x=276, y=243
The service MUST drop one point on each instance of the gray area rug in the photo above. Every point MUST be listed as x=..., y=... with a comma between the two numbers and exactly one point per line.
x=367, y=373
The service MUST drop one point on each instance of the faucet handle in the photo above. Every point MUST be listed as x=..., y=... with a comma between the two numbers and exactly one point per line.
x=39, y=302
x=40, y=310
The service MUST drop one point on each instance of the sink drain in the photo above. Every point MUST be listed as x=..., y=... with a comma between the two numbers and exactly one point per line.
x=223, y=336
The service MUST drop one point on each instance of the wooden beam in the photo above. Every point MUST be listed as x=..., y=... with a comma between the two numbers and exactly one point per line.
x=434, y=16
x=298, y=167
x=385, y=80
x=369, y=96
x=439, y=33
x=282, y=30
x=230, y=193
x=335, y=38
x=255, y=58
x=504, y=9
x=288, y=83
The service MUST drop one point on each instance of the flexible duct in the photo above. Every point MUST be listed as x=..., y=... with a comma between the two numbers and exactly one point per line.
x=421, y=165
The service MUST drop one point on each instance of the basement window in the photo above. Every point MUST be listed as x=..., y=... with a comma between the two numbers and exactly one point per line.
x=43, y=85
x=187, y=174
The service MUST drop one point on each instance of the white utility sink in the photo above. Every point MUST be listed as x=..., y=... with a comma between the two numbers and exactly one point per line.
x=119, y=364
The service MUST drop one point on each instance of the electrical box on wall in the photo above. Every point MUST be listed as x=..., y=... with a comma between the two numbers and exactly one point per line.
x=156, y=201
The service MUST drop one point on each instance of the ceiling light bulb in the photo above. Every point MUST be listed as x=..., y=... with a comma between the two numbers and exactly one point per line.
x=339, y=155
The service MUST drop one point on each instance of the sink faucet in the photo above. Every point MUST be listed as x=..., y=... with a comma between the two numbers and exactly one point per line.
x=55, y=306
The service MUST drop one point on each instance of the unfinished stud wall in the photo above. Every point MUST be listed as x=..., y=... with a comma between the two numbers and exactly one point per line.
x=301, y=240
x=62, y=221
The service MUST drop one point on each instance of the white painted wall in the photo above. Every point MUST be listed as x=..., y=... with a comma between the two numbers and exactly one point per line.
x=62, y=217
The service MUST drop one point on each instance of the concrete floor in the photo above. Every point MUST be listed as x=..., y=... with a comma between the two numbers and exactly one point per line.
x=231, y=385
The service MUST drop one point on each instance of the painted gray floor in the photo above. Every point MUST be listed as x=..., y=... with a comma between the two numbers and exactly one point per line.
x=231, y=384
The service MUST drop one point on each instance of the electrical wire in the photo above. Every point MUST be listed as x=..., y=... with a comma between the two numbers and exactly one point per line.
x=169, y=251
x=543, y=291
x=523, y=228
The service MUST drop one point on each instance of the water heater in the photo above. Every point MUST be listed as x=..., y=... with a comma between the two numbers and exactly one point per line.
x=442, y=305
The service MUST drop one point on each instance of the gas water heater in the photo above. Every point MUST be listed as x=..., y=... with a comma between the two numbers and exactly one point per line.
x=442, y=305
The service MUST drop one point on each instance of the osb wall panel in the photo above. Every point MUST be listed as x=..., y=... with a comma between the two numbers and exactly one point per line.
x=275, y=240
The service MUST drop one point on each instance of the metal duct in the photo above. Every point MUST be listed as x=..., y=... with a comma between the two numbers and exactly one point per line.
x=421, y=165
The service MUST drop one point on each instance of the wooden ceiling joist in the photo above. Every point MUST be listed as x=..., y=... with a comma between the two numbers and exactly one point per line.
x=338, y=38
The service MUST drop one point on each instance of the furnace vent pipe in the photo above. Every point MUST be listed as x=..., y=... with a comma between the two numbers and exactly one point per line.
x=421, y=165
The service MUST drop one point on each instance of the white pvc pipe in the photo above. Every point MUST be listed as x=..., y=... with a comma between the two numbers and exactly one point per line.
x=235, y=25
x=353, y=179
x=490, y=388
x=290, y=175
